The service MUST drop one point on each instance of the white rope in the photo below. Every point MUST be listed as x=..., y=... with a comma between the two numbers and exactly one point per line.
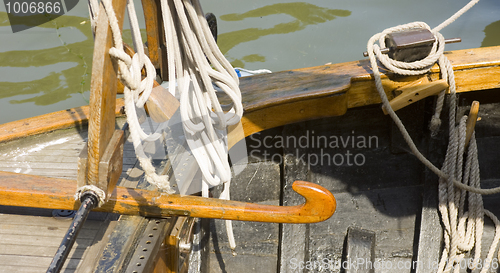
x=191, y=54
x=99, y=193
x=463, y=229
x=136, y=91
x=195, y=63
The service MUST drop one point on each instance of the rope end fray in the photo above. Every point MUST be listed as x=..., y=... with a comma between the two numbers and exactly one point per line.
x=435, y=125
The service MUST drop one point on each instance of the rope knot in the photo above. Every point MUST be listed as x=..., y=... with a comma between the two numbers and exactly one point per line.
x=99, y=193
x=129, y=70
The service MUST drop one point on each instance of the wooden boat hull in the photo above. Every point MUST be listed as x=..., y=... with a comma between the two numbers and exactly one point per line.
x=384, y=189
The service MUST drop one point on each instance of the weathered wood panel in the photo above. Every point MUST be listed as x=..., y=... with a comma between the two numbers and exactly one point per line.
x=30, y=242
x=375, y=189
x=256, y=243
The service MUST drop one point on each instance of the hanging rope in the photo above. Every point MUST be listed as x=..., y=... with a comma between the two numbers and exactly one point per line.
x=136, y=91
x=195, y=64
x=463, y=229
x=196, y=61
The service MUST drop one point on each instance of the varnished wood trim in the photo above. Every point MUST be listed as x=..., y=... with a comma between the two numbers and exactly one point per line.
x=54, y=193
x=74, y=117
x=267, y=99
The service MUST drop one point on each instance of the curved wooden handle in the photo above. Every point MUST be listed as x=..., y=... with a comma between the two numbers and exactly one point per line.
x=319, y=206
x=24, y=190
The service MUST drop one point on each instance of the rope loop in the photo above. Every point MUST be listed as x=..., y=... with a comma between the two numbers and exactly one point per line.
x=459, y=179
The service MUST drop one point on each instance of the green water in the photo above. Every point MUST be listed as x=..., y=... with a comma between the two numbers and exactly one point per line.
x=47, y=68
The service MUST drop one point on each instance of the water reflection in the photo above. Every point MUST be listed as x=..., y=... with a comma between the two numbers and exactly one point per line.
x=59, y=80
x=304, y=13
x=492, y=34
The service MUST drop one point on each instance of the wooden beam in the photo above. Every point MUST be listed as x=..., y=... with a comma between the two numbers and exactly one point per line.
x=155, y=36
x=102, y=91
x=52, y=193
x=152, y=31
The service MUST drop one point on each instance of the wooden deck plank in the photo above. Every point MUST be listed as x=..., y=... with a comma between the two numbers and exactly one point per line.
x=430, y=237
x=64, y=153
x=360, y=245
x=294, y=238
x=256, y=243
x=40, y=262
x=52, y=154
x=39, y=165
x=29, y=269
x=41, y=158
x=38, y=251
x=14, y=219
x=31, y=240
x=28, y=243
x=92, y=254
x=50, y=231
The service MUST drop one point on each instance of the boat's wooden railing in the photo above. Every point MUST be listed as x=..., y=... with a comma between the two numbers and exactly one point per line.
x=296, y=95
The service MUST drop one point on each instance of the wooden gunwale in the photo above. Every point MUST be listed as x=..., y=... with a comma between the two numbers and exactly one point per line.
x=267, y=97
x=73, y=117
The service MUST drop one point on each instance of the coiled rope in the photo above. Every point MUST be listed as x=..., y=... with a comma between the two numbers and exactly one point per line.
x=191, y=54
x=462, y=229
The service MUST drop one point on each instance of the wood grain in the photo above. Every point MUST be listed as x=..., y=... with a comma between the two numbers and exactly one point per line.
x=416, y=91
x=111, y=164
x=161, y=104
x=102, y=92
x=152, y=31
x=52, y=193
x=268, y=99
x=70, y=118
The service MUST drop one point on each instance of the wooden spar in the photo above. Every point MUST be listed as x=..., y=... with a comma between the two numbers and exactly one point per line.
x=155, y=36
x=307, y=93
x=102, y=98
x=52, y=193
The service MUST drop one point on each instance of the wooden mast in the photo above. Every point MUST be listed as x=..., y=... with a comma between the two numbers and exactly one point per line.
x=104, y=142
